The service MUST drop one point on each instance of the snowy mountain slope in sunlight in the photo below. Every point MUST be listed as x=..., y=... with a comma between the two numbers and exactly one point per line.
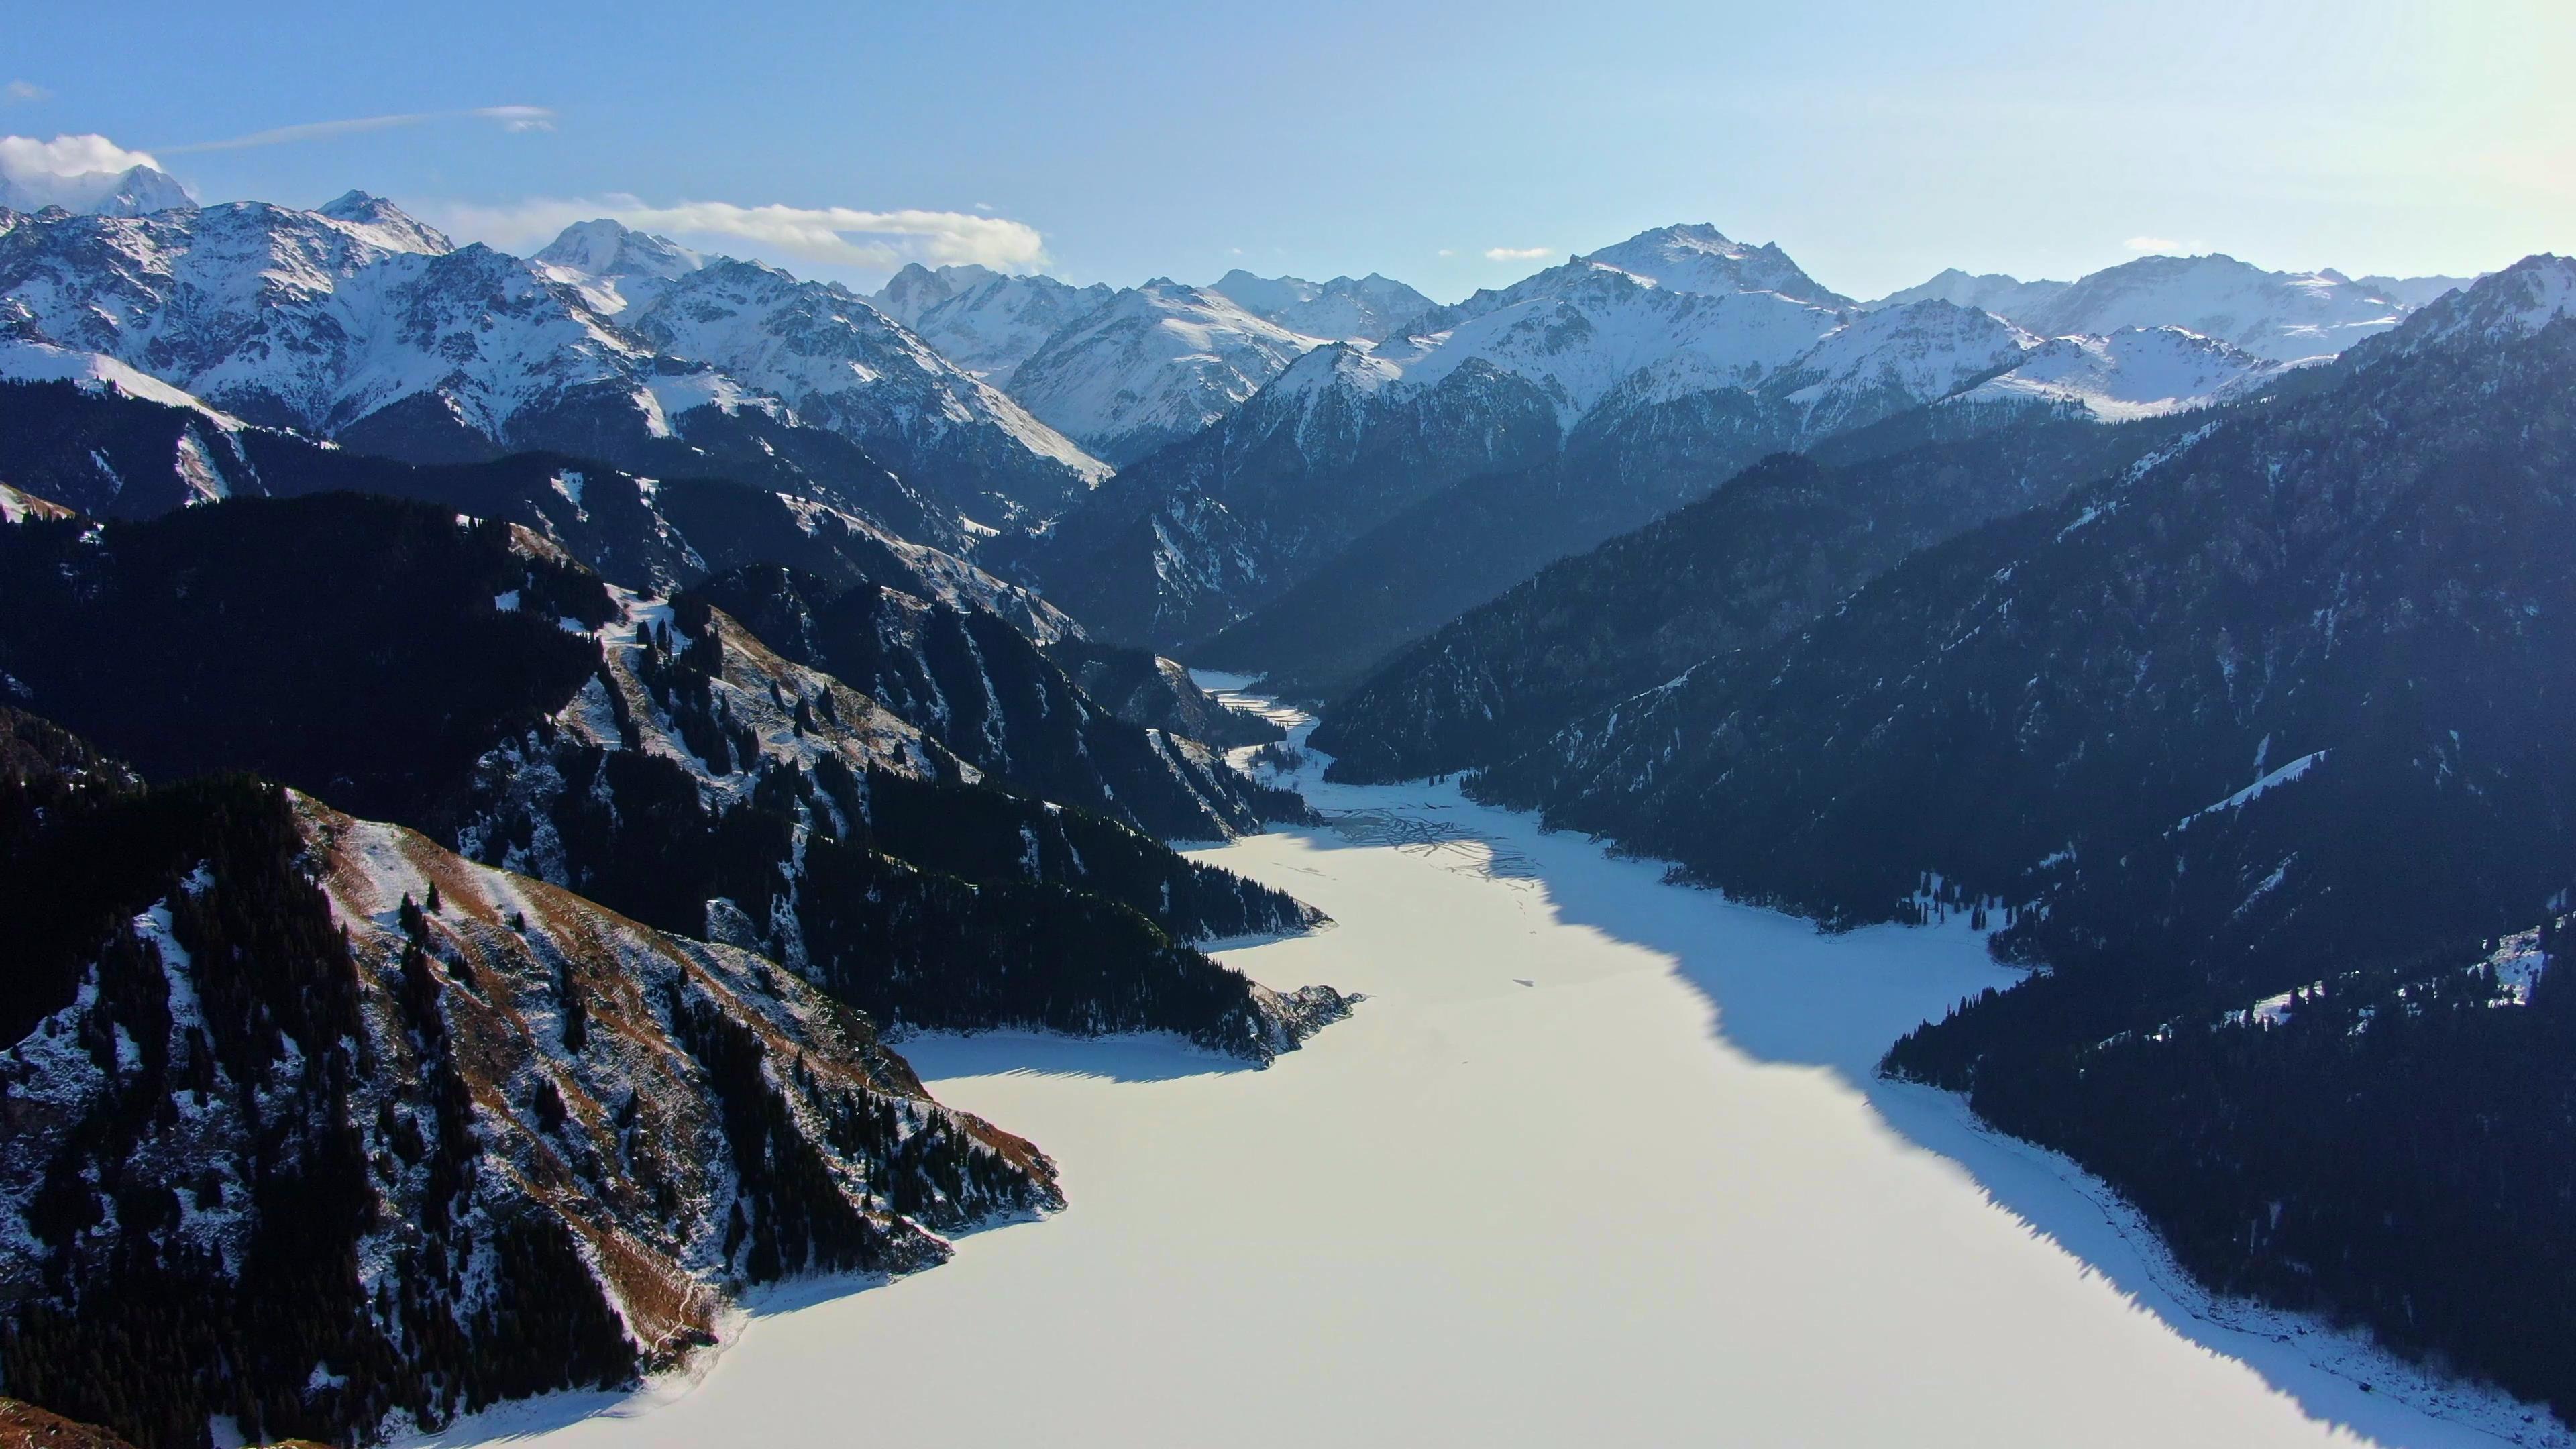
x=2133, y=373
x=328, y=321
x=1151, y=366
x=1700, y=258
x=840, y=364
x=134, y=191
x=2284, y=316
x=986, y=322
x=1345, y=309
x=2006, y=297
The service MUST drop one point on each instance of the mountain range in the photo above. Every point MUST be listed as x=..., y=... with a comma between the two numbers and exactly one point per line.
x=1428, y=472
x=496, y=752
x=2242, y=734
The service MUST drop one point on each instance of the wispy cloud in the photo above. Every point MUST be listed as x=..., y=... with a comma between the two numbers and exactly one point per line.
x=1517, y=254
x=511, y=118
x=23, y=157
x=1448, y=251
x=22, y=91
x=837, y=235
x=2164, y=246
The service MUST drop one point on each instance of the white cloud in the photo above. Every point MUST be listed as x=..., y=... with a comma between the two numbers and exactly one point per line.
x=24, y=158
x=518, y=118
x=20, y=91
x=1517, y=254
x=2164, y=246
x=837, y=235
x=1448, y=251
x=512, y=118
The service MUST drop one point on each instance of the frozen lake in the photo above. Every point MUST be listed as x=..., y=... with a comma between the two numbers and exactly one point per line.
x=1600, y=1161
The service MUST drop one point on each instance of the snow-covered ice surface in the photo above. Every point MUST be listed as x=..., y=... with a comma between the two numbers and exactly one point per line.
x=1599, y=1161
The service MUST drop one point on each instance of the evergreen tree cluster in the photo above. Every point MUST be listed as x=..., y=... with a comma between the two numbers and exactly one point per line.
x=128, y=1324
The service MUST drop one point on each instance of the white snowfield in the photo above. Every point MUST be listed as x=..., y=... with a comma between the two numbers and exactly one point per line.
x=1153, y=364
x=1600, y=1161
x=2136, y=372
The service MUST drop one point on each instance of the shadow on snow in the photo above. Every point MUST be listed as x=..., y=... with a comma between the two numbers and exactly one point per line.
x=1784, y=993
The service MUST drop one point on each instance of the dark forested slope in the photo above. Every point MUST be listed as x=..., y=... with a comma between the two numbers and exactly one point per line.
x=1767, y=551
x=316, y=1127
x=2257, y=752
x=385, y=652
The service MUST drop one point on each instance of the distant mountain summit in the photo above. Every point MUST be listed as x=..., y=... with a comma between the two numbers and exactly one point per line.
x=2007, y=297
x=134, y=191
x=1648, y=372
x=359, y=323
x=2279, y=316
x=617, y=268
x=2285, y=316
x=1152, y=365
x=1700, y=258
x=836, y=361
x=985, y=321
x=1345, y=309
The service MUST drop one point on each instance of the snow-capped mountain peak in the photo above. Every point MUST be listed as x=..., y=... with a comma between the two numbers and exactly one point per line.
x=1700, y=258
x=2285, y=316
x=985, y=321
x=380, y=223
x=615, y=267
x=844, y=365
x=606, y=247
x=1152, y=365
x=2513, y=303
x=1881, y=362
x=2007, y=297
x=2135, y=372
x=1348, y=309
x=913, y=291
x=134, y=191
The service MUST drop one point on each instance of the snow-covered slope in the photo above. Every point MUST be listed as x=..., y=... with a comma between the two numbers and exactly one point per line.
x=357, y=322
x=1345, y=309
x=2284, y=316
x=2280, y=316
x=2007, y=297
x=326, y=321
x=2132, y=373
x=96, y=372
x=614, y=268
x=1884, y=361
x=2514, y=303
x=2412, y=291
x=1700, y=258
x=1152, y=365
x=985, y=321
x=843, y=365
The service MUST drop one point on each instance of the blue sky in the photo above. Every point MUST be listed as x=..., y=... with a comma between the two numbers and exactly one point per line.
x=1877, y=142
